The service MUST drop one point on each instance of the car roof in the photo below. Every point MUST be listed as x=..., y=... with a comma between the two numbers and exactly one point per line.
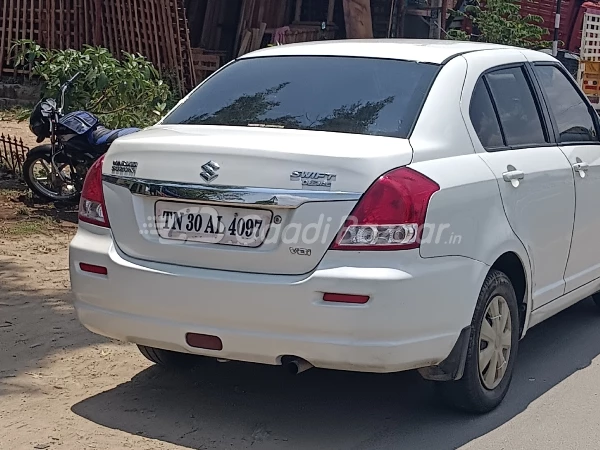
x=426, y=50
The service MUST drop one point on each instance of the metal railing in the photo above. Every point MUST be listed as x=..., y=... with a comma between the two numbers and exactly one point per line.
x=12, y=154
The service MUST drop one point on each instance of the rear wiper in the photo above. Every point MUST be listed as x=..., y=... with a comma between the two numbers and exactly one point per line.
x=265, y=125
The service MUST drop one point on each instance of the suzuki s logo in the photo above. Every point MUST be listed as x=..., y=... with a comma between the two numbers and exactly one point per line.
x=209, y=171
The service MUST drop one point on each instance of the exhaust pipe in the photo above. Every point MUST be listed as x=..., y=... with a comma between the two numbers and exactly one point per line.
x=296, y=366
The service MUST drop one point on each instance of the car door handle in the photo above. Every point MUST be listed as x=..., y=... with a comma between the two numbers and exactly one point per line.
x=513, y=175
x=581, y=166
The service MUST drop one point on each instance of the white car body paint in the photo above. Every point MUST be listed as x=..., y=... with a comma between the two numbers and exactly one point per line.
x=266, y=303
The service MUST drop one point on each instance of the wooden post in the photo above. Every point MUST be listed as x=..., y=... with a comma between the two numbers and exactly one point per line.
x=61, y=25
x=3, y=38
x=391, y=20
x=52, y=25
x=9, y=26
x=98, y=24
x=89, y=34
x=31, y=20
x=18, y=11
x=400, y=25
x=444, y=17
x=240, y=29
x=435, y=20
x=357, y=15
x=330, y=11
x=24, y=20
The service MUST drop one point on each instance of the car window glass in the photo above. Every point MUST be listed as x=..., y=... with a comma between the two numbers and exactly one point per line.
x=516, y=107
x=339, y=94
x=571, y=112
x=484, y=118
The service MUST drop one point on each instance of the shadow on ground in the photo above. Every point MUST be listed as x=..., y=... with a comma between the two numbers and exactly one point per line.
x=36, y=314
x=17, y=204
x=250, y=405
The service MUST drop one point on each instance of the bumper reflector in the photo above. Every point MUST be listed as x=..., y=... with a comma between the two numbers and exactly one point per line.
x=98, y=270
x=346, y=298
x=205, y=341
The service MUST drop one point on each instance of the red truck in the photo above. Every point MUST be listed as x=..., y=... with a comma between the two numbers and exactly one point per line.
x=571, y=19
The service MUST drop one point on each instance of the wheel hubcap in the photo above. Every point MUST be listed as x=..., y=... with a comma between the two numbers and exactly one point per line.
x=495, y=340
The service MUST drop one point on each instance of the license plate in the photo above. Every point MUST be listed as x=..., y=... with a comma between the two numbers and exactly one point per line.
x=212, y=224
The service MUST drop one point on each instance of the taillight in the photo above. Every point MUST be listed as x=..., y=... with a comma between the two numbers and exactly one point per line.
x=390, y=215
x=91, y=206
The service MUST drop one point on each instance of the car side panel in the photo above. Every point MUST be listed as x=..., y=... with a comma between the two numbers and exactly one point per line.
x=529, y=205
x=466, y=217
x=467, y=213
x=440, y=131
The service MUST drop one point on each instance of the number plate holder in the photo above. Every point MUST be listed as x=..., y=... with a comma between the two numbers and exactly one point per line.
x=212, y=224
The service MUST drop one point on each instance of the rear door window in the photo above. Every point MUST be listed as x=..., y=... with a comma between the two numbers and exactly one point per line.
x=518, y=110
x=484, y=118
x=339, y=94
x=571, y=113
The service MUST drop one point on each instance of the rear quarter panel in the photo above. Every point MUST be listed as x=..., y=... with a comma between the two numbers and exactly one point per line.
x=466, y=216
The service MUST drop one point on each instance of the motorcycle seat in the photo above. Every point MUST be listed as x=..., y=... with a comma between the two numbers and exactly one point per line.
x=105, y=136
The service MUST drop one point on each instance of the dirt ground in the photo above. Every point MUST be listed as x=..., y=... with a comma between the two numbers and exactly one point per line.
x=64, y=387
x=17, y=129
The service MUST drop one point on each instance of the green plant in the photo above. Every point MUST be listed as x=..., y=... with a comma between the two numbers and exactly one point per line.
x=22, y=211
x=501, y=22
x=29, y=226
x=122, y=93
x=18, y=113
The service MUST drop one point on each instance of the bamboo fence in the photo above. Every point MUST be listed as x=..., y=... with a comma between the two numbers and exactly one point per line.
x=155, y=28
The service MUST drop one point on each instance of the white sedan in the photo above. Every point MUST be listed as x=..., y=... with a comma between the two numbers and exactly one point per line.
x=370, y=206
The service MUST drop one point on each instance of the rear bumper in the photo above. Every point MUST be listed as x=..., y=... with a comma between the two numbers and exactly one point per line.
x=417, y=309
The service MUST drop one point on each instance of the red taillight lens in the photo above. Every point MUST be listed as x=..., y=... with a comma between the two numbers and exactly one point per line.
x=391, y=214
x=91, y=206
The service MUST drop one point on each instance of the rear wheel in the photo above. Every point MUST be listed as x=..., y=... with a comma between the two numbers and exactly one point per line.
x=492, y=349
x=44, y=181
x=168, y=358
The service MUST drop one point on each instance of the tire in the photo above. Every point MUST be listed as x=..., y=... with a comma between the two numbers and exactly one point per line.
x=43, y=152
x=476, y=392
x=596, y=298
x=168, y=358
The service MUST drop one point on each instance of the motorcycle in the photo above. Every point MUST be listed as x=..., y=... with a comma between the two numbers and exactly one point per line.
x=56, y=171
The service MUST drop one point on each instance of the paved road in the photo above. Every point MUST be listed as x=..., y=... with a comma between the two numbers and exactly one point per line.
x=553, y=403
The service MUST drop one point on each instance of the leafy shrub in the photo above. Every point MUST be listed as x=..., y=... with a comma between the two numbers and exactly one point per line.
x=501, y=22
x=122, y=93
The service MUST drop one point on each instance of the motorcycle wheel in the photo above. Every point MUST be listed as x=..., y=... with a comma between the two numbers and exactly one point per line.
x=37, y=172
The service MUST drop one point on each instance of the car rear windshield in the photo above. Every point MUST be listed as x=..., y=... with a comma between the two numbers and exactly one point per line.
x=341, y=94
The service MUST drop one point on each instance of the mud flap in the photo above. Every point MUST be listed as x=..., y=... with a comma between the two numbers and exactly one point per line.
x=453, y=366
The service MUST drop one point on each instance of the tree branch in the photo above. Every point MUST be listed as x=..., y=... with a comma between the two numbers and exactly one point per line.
x=121, y=108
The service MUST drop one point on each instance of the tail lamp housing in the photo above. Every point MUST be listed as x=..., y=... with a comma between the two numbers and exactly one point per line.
x=390, y=215
x=92, y=208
